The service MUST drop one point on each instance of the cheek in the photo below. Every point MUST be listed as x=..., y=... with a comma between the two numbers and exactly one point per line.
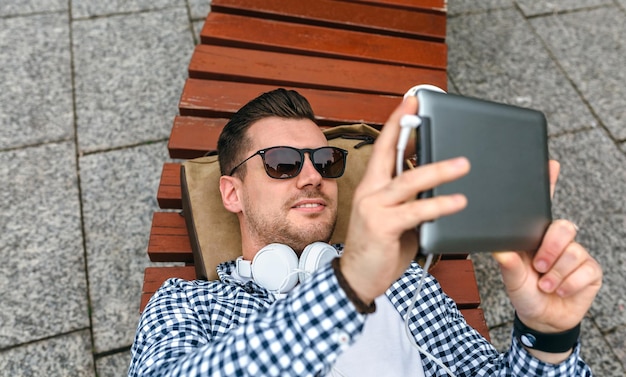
x=267, y=196
x=331, y=190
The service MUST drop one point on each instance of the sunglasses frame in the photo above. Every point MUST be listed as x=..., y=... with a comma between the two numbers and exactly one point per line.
x=301, y=152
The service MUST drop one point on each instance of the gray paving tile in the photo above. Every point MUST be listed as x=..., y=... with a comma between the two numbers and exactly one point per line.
x=22, y=7
x=605, y=237
x=496, y=56
x=617, y=340
x=462, y=6
x=119, y=196
x=596, y=353
x=576, y=37
x=35, y=90
x=593, y=176
x=43, y=287
x=113, y=366
x=130, y=71
x=66, y=355
x=533, y=7
x=199, y=9
x=197, y=28
x=501, y=337
x=90, y=8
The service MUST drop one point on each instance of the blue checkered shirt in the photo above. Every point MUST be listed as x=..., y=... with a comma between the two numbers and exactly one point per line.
x=232, y=328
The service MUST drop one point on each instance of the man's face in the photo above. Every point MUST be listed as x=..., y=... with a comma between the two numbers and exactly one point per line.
x=295, y=211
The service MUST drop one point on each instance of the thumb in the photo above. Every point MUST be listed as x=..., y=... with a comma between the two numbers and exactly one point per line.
x=512, y=267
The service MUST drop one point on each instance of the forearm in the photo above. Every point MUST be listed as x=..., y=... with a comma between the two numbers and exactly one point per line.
x=452, y=341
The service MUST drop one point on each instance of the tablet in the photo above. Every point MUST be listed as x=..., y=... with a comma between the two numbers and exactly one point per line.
x=507, y=188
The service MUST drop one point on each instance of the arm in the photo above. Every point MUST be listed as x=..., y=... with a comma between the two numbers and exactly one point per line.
x=381, y=242
x=438, y=325
x=180, y=332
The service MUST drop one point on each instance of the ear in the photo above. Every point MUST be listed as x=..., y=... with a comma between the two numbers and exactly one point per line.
x=229, y=189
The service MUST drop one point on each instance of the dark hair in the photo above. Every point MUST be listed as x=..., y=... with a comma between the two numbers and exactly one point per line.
x=233, y=140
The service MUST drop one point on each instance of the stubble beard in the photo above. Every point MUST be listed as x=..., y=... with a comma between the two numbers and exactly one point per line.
x=275, y=228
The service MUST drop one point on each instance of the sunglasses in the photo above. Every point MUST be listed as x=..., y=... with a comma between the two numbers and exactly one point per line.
x=286, y=162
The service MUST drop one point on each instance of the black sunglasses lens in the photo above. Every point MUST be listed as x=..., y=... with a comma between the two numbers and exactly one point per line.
x=282, y=162
x=330, y=162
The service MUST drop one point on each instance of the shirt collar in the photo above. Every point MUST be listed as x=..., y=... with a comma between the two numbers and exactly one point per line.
x=227, y=274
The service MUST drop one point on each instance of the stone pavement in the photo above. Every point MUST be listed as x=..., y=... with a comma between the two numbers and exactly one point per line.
x=88, y=93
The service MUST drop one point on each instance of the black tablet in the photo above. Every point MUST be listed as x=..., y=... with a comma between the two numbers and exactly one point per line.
x=507, y=188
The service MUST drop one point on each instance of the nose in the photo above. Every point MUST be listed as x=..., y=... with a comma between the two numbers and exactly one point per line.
x=308, y=175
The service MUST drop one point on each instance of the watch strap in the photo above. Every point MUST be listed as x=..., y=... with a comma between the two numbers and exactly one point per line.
x=547, y=342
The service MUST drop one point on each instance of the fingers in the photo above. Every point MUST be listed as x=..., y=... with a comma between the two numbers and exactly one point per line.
x=559, y=234
x=418, y=211
x=408, y=185
x=587, y=274
x=512, y=266
x=394, y=206
x=573, y=271
x=566, y=266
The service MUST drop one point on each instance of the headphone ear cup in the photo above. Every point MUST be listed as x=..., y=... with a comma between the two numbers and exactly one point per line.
x=272, y=267
x=313, y=257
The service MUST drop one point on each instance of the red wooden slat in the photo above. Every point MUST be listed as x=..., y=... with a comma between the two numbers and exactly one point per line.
x=435, y=6
x=348, y=15
x=281, y=69
x=169, y=240
x=457, y=279
x=298, y=39
x=193, y=137
x=169, y=194
x=168, y=223
x=210, y=98
x=154, y=277
x=169, y=248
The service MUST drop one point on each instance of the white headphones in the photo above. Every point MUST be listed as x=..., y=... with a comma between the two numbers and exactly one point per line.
x=277, y=268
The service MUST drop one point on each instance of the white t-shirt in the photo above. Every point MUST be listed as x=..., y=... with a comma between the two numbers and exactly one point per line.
x=383, y=348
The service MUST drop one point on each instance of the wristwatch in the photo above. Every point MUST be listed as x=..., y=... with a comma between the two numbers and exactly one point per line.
x=547, y=342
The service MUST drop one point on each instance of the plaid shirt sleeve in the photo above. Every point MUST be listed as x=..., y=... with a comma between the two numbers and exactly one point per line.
x=300, y=335
x=437, y=324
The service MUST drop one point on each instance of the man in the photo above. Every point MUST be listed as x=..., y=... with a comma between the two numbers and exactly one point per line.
x=346, y=319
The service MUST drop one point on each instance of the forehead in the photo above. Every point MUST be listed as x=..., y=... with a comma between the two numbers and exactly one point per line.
x=274, y=131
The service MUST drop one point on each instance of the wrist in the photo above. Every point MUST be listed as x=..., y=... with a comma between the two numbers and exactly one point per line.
x=362, y=306
x=550, y=357
x=541, y=342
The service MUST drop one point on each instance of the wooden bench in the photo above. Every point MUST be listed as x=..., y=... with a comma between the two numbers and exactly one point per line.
x=352, y=59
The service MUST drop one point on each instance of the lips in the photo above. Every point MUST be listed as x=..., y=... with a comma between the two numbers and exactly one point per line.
x=309, y=204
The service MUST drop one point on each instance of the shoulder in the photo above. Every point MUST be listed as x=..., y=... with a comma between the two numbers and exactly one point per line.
x=201, y=296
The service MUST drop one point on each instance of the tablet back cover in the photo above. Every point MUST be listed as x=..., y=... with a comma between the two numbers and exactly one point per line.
x=507, y=189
